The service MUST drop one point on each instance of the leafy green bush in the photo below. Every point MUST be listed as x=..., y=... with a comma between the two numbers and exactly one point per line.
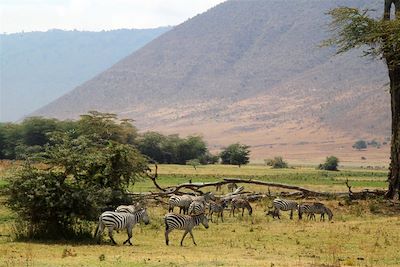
x=331, y=164
x=235, y=154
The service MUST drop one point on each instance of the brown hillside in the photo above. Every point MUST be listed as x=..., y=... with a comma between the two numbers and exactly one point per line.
x=248, y=71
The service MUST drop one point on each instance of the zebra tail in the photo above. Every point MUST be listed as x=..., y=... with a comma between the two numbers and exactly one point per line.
x=96, y=231
x=166, y=224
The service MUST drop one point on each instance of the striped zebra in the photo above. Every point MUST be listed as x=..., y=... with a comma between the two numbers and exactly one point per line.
x=283, y=204
x=305, y=208
x=183, y=202
x=118, y=221
x=183, y=222
x=240, y=203
x=217, y=207
x=197, y=207
x=315, y=208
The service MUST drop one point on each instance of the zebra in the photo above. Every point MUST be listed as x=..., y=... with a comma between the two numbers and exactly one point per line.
x=197, y=207
x=232, y=186
x=319, y=208
x=204, y=198
x=283, y=204
x=118, y=221
x=217, y=208
x=305, y=208
x=240, y=203
x=183, y=222
x=183, y=202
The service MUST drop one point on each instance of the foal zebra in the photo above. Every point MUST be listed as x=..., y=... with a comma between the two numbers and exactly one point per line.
x=217, y=208
x=118, y=221
x=240, y=203
x=315, y=208
x=283, y=204
x=183, y=222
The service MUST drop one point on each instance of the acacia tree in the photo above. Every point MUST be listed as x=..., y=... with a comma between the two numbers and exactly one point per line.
x=352, y=28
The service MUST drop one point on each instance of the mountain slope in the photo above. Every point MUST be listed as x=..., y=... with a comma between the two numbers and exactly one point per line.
x=38, y=67
x=249, y=71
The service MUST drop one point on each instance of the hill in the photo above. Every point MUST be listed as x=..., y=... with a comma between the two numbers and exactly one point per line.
x=248, y=71
x=38, y=67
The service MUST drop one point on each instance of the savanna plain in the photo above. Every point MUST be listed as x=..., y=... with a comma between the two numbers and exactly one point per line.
x=362, y=233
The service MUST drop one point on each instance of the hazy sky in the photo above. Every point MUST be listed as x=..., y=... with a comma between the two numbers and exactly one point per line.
x=96, y=15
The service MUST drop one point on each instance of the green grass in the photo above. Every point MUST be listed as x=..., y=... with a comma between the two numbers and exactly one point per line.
x=363, y=234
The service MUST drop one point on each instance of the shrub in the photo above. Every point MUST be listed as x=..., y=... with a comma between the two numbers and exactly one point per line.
x=360, y=144
x=331, y=164
x=235, y=154
x=276, y=163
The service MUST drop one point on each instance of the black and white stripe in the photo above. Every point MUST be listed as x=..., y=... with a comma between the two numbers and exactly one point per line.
x=315, y=208
x=128, y=208
x=118, y=221
x=240, y=203
x=217, y=207
x=183, y=222
x=284, y=205
x=197, y=207
x=183, y=202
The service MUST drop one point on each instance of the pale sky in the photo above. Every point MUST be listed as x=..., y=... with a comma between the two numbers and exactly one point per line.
x=96, y=15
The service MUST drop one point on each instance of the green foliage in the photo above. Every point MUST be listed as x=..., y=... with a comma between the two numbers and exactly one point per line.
x=193, y=162
x=331, y=164
x=84, y=174
x=173, y=149
x=360, y=144
x=276, y=163
x=352, y=28
x=235, y=154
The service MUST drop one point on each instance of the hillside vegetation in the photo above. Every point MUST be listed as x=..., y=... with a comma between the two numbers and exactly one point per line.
x=248, y=71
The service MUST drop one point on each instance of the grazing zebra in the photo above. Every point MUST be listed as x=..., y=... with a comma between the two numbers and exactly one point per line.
x=232, y=186
x=204, y=198
x=183, y=222
x=305, y=208
x=319, y=208
x=183, y=202
x=240, y=203
x=217, y=208
x=285, y=205
x=118, y=221
x=197, y=207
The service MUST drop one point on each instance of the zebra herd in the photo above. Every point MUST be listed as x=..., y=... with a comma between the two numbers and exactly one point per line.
x=194, y=214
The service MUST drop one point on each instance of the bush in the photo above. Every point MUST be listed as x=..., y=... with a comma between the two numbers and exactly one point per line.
x=276, y=163
x=235, y=154
x=360, y=144
x=331, y=164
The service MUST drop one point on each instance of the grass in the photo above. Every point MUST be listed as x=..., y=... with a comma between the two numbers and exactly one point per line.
x=362, y=234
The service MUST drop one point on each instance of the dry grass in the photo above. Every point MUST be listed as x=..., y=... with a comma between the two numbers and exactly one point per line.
x=362, y=234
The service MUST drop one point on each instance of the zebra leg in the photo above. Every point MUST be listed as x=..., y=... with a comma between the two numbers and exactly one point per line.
x=222, y=216
x=242, y=211
x=171, y=209
x=291, y=214
x=99, y=232
x=167, y=231
x=210, y=214
x=183, y=237
x=194, y=242
x=110, y=234
x=129, y=231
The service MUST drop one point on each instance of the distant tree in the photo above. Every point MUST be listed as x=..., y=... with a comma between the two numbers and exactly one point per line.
x=277, y=163
x=331, y=164
x=353, y=28
x=193, y=162
x=360, y=144
x=235, y=154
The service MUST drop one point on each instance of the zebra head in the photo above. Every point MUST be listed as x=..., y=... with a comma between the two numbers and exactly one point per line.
x=329, y=212
x=204, y=221
x=209, y=196
x=144, y=217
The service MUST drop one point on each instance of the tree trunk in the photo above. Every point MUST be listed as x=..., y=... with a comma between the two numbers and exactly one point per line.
x=394, y=171
x=394, y=76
